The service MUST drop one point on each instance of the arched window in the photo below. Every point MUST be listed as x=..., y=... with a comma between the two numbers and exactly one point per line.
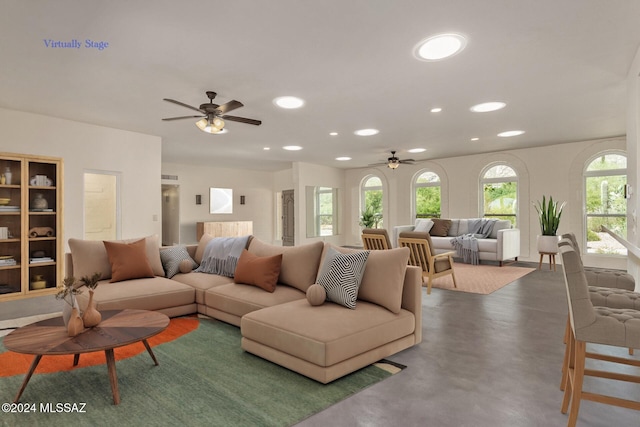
x=371, y=202
x=427, y=195
x=605, y=184
x=500, y=193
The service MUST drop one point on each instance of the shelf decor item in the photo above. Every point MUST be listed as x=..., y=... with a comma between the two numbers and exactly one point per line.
x=8, y=175
x=38, y=282
x=91, y=316
x=39, y=202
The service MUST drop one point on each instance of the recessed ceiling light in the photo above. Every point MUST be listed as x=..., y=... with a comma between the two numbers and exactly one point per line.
x=417, y=150
x=333, y=133
x=267, y=148
x=439, y=47
x=343, y=159
x=366, y=132
x=510, y=133
x=475, y=138
x=288, y=102
x=485, y=107
x=436, y=110
x=292, y=147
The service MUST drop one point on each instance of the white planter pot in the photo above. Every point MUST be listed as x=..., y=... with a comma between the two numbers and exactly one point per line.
x=548, y=244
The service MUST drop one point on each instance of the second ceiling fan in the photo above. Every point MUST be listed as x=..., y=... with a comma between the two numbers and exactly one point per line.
x=393, y=162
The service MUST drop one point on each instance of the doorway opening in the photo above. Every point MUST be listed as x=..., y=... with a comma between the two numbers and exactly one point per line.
x=170, y=214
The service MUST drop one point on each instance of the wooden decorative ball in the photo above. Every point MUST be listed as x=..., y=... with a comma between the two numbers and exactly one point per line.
x=185, y=266
x=316, y=295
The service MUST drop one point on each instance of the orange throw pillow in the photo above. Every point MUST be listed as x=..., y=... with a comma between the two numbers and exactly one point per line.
x=128, y=260
x=258, y=271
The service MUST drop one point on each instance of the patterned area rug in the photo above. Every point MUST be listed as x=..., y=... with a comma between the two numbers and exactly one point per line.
x=481, y=279
x=204, y=378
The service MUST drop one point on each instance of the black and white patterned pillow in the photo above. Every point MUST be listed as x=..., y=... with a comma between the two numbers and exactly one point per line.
x=341, y=275
x=171, y=258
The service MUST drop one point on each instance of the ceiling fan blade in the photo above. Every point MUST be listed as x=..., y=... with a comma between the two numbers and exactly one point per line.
x=182, y=117
x=184, y=105
x=229, y=106
x=408, y=161
x=242, y=120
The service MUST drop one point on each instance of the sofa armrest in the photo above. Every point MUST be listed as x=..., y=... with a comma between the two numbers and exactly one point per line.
x=395, y=233
x=412, y=297
x=508, y=244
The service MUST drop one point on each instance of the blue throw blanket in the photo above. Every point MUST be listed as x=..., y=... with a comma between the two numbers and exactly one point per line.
x=466, y=245
x=221, y=255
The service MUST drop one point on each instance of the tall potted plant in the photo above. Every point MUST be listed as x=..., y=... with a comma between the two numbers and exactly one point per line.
x=549, y=214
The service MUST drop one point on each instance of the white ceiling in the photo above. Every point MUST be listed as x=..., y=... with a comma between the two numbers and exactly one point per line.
x=559, y=65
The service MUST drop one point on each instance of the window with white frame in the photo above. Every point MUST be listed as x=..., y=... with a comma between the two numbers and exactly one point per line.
x=427, y=195
x=371, y=202
x=499, y=192
x=605, y=180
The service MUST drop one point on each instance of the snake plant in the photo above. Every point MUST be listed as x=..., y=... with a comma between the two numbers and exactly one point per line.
x=549, y=214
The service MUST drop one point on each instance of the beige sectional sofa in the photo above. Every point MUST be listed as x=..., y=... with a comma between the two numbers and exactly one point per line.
x=501, y=245
x=322, y=342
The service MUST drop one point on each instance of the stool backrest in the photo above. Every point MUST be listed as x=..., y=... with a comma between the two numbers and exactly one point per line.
x=581, y=312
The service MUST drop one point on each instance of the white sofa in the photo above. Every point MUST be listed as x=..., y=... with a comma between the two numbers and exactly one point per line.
x=502, y=244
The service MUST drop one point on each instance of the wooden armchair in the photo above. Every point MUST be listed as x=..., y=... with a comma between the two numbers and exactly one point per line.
x=375, y=239
x=421, y=255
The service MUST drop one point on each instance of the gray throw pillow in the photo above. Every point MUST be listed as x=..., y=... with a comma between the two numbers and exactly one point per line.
x=341, y=275
x=171, y=258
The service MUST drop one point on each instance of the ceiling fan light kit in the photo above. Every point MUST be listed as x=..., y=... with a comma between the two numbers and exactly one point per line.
x=212, y=115
x=211, y=124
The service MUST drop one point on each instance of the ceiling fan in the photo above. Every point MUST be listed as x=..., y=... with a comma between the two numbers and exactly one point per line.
x=212, y=115
x=393, y=162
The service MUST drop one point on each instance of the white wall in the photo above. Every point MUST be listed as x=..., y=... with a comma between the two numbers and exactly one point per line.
x=554, y=170
x=633, y=148
x=256, y=186
x=83, y=147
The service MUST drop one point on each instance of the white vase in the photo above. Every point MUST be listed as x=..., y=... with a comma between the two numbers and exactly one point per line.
x=548, y=244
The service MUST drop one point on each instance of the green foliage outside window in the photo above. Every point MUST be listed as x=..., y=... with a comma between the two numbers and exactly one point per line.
x=428, y=202
x=372, y=214
x=604, y=201
x=501, y=200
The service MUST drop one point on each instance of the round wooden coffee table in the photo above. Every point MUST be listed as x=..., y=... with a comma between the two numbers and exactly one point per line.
x=117, y=328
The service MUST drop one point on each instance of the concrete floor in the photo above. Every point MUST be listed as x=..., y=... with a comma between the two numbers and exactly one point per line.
x=486, y=361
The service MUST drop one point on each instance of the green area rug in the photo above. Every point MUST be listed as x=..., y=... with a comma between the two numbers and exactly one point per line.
x=204, y=378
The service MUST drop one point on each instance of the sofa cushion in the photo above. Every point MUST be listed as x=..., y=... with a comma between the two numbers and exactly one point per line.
x=172, y=257
x=155, y=293
x=340, y=276
x=327, y=335
x=440, y=227
x=501, y=224
x=128, y=260
x=299, y=263
x=258, y=271
x=423, y=225
x=202, y=245
x=90, y=256
x=383, y=278
x=238, y=299
x=202, y=282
